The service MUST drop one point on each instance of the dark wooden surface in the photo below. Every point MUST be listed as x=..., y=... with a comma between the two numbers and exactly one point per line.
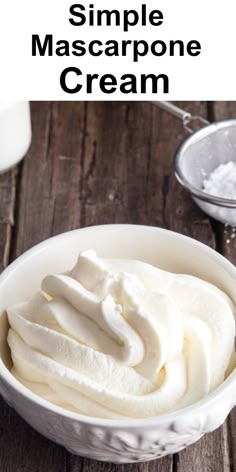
x=94, y=163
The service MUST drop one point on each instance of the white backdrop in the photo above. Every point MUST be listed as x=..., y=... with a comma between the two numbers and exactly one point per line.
x=210, y=76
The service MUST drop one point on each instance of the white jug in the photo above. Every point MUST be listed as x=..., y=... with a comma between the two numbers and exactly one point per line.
x=15, y=133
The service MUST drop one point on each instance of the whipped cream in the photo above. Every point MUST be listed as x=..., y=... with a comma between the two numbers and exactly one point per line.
x=121, y=338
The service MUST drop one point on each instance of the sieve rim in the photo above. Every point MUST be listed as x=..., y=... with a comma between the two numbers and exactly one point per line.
x=195, y=137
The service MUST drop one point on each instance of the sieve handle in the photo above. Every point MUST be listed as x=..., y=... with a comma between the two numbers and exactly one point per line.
x=181, y=114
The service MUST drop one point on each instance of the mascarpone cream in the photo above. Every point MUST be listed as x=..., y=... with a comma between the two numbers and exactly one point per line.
x=121, y=338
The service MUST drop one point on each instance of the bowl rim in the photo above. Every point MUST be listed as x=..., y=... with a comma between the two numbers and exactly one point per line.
x=195, y=137
x=158, y=420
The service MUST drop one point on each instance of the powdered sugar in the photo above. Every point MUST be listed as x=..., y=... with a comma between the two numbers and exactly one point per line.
x=222, y=181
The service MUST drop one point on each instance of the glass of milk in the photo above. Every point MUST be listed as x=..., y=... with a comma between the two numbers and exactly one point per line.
x=15, y=133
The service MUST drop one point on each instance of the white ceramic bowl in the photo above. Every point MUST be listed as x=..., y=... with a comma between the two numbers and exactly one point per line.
x=115, y=440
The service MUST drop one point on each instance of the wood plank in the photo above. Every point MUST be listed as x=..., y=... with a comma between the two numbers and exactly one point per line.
x=50, y=194
x=116, y=163
x=24, y=450
x=179, y=213
x=116, y=171
x=182, y=215
x=210, y=454
x=21, y=448
x=95, y=466
x=7, y=206
x=227, y=238
x=227, y=234
x=87, y=465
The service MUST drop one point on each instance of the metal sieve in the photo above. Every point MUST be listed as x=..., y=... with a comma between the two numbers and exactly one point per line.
x=199, y=154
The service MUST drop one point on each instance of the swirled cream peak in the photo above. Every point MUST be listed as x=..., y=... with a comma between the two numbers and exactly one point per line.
x=121, y=338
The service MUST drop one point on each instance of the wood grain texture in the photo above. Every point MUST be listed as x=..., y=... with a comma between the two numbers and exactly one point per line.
x=21, y=448
x=49, y=197
x=94, y=163
x=226, y=234
x=24, y=450
x=7, y=207
x=182, y=215
x=227, y=245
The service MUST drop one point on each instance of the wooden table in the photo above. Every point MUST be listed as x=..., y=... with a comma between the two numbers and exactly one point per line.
x=94, y=163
